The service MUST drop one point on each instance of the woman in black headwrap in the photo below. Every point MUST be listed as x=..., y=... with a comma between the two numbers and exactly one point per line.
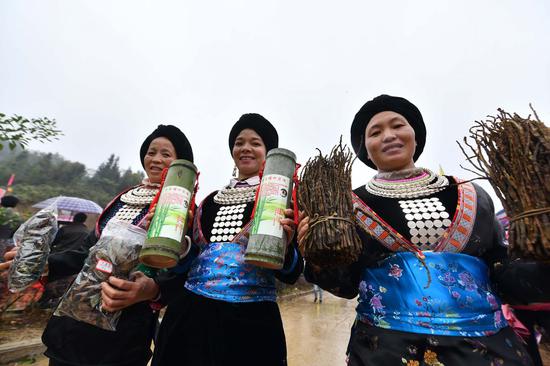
x=433, y=263
x=70, y=342
x=227, y=314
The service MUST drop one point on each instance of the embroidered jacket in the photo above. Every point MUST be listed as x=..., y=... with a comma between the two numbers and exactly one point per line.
x=473, y=232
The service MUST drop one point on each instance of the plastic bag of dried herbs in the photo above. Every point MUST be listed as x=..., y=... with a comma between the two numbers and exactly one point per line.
x=33, y=238
x=115, y=254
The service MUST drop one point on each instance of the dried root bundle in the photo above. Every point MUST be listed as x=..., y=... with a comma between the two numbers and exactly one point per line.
x=514, y=154
x=325, y=196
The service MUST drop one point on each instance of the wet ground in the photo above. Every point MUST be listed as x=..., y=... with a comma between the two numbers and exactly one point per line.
x=317, y=333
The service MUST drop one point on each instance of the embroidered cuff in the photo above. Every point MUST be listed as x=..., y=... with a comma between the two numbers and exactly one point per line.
x=292, y=263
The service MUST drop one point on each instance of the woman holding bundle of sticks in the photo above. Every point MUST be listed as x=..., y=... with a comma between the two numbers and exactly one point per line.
x=433, y=269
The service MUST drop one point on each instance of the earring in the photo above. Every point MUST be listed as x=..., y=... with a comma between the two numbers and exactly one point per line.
x=235, y=171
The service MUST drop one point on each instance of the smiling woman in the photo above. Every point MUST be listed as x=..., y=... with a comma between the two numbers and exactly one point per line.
x=433, y=265
x=70, y=342
x=160, y=154
x=248, y=153
x=227, y=313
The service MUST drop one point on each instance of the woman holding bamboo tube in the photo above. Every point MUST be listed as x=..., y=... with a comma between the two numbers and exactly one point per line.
x=73, y=343
x=227, y=314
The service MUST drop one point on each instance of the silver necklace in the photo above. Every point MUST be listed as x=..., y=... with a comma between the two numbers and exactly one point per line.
x=411, y=183
x=139, y=196
x=236, y=195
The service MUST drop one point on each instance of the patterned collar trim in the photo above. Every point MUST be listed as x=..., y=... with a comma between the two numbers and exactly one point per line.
x=455, y=238
x=252, y=181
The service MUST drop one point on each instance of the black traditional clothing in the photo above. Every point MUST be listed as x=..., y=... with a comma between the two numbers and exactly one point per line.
x=70, y=342
x=228, y=314
x=409, y=324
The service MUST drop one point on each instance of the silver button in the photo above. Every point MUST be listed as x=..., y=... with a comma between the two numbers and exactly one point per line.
x=420, y=224
x=411, y=224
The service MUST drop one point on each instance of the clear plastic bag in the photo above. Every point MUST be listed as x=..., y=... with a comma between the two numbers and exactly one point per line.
x=33, y=238
x=115, y=254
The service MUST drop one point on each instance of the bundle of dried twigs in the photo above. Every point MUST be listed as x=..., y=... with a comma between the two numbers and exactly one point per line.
x=514, y=154
x=325, y=196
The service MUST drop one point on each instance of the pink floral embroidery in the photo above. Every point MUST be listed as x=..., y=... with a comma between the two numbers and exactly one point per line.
x=395, y=271
x=376, y=302
x=466, y=280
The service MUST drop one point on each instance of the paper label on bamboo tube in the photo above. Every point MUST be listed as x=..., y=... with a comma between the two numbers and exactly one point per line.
x=271, y=205
x=170, y=213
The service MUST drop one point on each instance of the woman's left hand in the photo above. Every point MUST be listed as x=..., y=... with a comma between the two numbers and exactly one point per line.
x=288, y=225
x=117, y=294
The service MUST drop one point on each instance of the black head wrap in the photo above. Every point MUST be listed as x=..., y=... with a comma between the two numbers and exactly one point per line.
x=176, y=137
x=260, y=125
x=384, y=103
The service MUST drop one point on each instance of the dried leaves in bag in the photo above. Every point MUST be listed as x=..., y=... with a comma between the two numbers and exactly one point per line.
x=115, y=254
x=514, y=154
x=33, y=238
x=325, y=196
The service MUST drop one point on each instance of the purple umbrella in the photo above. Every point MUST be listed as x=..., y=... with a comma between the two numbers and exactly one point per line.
x=74, y=204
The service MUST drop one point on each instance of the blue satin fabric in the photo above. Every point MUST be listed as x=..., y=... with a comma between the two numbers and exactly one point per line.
x=457, y=302
x=220, y=273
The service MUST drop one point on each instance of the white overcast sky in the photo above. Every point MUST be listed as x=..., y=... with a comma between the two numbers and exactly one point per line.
x=110, y=71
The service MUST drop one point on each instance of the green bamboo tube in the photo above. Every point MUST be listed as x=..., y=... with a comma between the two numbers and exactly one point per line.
x=166, y=236
x=267, y=242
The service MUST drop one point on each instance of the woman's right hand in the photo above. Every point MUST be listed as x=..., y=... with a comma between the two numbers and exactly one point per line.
x=303, y=227
x=8, y=257
x=149, y=217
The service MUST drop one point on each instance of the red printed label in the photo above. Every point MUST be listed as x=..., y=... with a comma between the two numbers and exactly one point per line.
x=104, y=266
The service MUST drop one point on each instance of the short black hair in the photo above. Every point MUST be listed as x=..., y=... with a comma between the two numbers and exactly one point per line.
x=80, y=217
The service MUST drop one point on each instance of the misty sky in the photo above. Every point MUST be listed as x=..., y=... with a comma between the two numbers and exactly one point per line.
x=110, y=71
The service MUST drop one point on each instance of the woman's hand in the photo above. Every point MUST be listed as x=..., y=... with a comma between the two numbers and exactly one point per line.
x=303, y=227
x=288, y=225
x=8, y=256
x=117, y=294
x=149, y=217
